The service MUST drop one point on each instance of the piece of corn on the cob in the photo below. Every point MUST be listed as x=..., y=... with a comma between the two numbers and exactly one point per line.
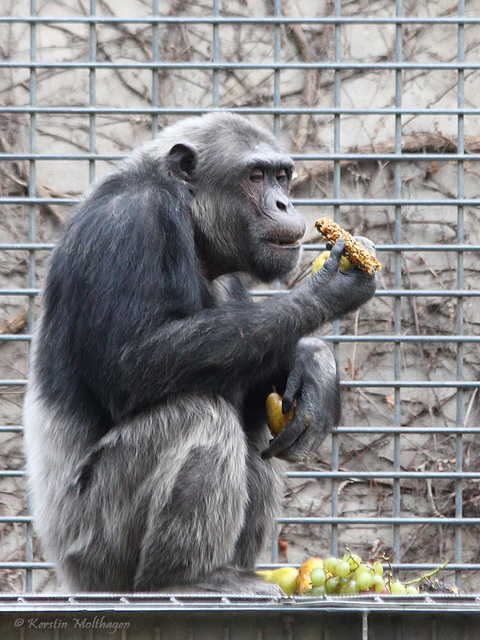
x=354, y=250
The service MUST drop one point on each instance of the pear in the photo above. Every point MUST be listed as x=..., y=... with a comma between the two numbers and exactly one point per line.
x=276, y=419
x=319, y=261
x=303, y=579
x=285, y=577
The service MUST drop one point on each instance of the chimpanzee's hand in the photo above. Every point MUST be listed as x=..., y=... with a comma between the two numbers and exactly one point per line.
x=340, y=292
x=313, y=384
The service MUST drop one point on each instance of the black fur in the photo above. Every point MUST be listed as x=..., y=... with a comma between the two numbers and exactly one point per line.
x=145, y=416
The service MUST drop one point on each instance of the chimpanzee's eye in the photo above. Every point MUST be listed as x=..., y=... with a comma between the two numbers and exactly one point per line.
x=256, y=175
x=282, y=176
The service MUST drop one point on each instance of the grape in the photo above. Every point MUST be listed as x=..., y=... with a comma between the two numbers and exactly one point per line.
x=344, y=263
x=318, y=577
x=342, y=569
x=350, y=588
x=362, y=568
x=330, y=564
x=353, y=560
x=397, y=587
x=378, y=583
x=349, y=574
x=364, y=581
x=332, y=584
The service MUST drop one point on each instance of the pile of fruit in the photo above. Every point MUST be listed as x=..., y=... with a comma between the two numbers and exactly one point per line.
x=348, y=575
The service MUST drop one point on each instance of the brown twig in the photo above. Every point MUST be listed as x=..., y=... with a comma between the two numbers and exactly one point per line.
x=414, y=143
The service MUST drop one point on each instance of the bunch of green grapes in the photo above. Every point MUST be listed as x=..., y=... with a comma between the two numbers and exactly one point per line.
x=350, y=575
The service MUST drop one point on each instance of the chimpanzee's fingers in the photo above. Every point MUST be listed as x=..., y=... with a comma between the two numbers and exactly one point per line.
x=292, y=389
x=285, y=438
x=308, y=441
x=335, y=254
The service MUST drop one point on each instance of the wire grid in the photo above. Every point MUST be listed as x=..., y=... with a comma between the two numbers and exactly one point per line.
x=277, y=22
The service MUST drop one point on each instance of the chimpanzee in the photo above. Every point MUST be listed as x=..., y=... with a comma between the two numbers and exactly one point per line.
x=150, y=462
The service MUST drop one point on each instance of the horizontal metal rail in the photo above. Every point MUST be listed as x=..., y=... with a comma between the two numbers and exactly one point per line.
x=378, y=384
x=403, y=475
x=416, y=293
x=452, y=566
x=37, y=564
x=345, y=520
x=374, y=520
x=37, y=246
x=322, y=65
x=444, y=339
x=312, y=157
x=386, y=429
x=184, y=111
x=232, y=20
x=444, y=293
x=333, y=202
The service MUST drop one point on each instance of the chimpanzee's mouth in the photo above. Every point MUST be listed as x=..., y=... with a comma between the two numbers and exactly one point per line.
x=284, y=243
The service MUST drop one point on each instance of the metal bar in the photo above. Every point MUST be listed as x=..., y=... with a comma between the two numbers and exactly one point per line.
x=31, y=237
x=183, y=111
x=380, y=384
x=232, y=20
x=215, y=56
x=382, y=293
x=307, y=247
x=386, y=429
x=277, y=45
x=443, y=293
x=313, y=157
x=397, y=311
x=155, y=74
x=236, y=66
x=337, y=99
x=391, y=475
x=459, y=318
x=92, y=89
x=332, y=338
x=407, y=247
x=27, y=565
x=347, y=202
x=352, y=521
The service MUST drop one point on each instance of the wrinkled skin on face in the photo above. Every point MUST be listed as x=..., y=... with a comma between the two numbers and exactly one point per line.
x=275, y=227
x=258, y=230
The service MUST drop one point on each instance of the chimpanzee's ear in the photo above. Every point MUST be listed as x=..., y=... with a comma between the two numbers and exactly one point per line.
x=182, y=160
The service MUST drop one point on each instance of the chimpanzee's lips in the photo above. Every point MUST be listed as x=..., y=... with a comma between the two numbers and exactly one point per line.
x=284, y=243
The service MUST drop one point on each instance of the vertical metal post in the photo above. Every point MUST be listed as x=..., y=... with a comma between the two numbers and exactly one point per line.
x=31, y=238
x=277, y=56
x=460, y=284
x=277, y=53
x=92, y=89
x=336, y=214
x=155, y=82
x=216, y=56
x=398, y=279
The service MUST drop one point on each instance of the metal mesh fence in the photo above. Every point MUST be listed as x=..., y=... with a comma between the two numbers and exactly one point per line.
x=379, y=104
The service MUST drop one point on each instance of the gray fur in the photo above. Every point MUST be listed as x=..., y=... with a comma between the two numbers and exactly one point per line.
x=127, y=507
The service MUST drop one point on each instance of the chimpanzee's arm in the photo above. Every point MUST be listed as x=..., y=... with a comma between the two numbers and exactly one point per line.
x=214, y=349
